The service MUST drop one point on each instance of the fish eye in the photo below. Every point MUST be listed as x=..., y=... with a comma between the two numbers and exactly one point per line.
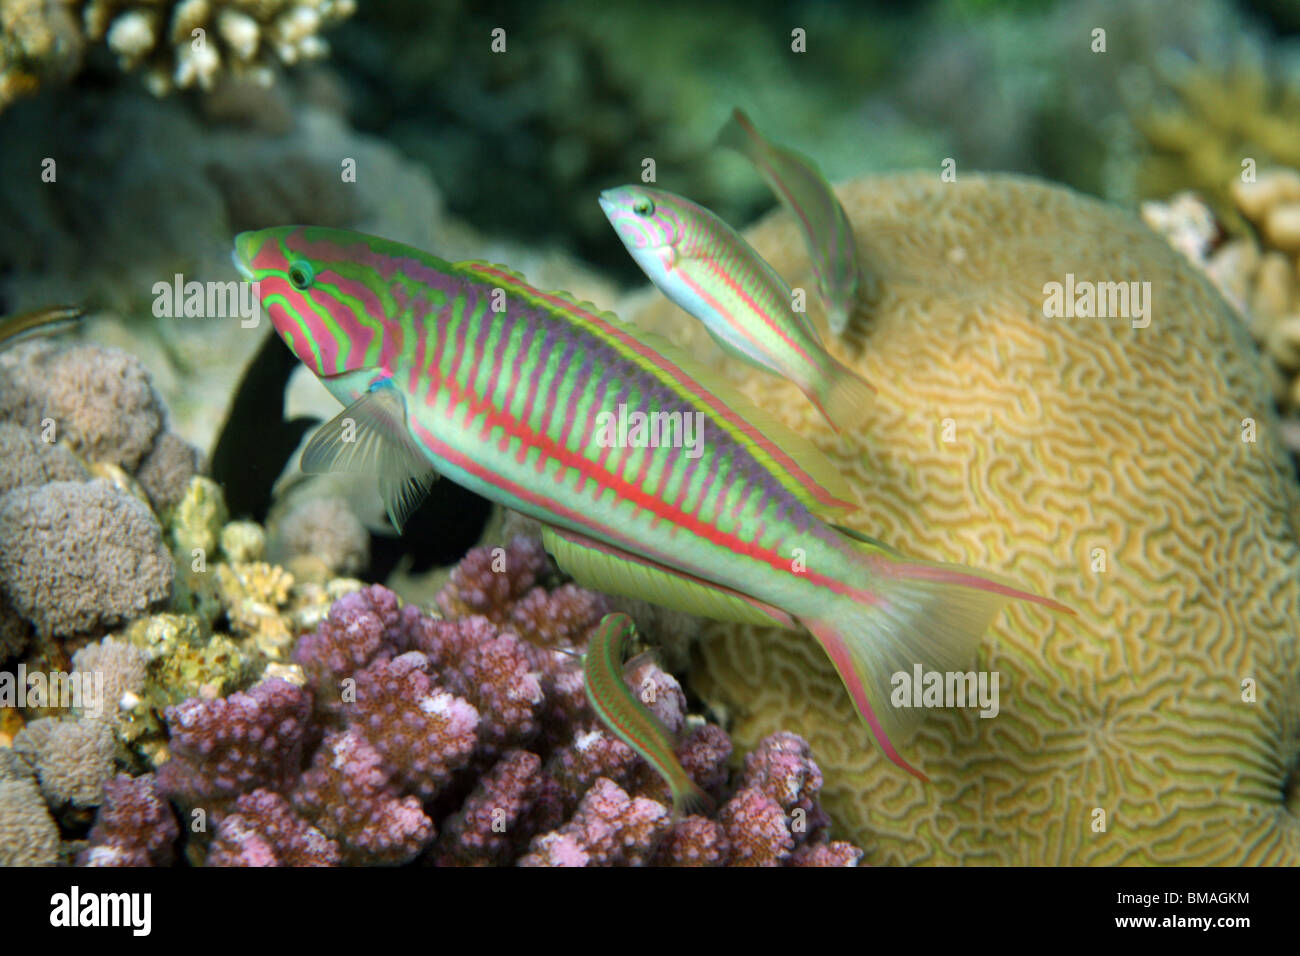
x=643, y=207
x=300, y=275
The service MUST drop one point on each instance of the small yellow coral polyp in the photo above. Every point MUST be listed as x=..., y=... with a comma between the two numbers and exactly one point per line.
x=1162, y=724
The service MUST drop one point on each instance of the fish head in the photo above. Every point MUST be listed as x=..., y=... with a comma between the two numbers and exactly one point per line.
x=646, y=220
x=318, y=287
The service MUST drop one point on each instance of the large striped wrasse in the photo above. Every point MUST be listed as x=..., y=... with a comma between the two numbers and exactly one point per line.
x=802, y=189
x=704, y=266
x=518, y=394
x=623, y=712
x=47, y=321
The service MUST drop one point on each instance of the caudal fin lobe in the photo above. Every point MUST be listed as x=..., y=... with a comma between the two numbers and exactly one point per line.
x=843, y=397
x=933, y=615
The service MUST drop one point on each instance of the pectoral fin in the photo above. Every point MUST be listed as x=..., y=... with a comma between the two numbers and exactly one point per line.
x=370, y=436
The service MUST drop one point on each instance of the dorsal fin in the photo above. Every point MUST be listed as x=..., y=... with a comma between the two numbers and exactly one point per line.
x=798, y=464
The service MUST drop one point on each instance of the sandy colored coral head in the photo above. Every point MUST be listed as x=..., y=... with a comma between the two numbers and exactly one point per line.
x=1132, y=472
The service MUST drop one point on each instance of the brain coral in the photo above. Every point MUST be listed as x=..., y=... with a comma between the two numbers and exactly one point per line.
x=1067, y=435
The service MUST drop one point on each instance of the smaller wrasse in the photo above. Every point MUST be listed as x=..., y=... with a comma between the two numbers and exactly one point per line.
x=703, y=265
x=803, y=190
x=623, y=712
x=49, y=321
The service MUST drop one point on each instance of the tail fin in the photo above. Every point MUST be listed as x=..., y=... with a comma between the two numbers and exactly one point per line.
x=843, y=397
x=919, y=613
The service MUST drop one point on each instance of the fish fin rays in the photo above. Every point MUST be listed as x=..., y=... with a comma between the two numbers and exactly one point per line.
x=935, y=625
x=603, y=567
x=846, y=400
x=371, y=436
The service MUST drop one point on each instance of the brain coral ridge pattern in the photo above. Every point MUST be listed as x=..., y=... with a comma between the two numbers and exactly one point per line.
x=1124, y=735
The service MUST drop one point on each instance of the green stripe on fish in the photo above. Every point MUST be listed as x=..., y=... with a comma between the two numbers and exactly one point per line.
x=468, y=371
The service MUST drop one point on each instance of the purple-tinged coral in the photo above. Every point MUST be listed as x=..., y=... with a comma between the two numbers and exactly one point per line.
x=264, y=830
x=592, y=754
x=363, y=626
x=757, y=830
x=495, y=818
x=609, y=828
x=782, y=767
x=500, y=677
x=73, y=759
x=704, y=755
x=419, y=706
x=135, y=826
x=556, y=849
x=694, y=841
x=224, y=747
x=487, y=580
x=659, y=691
x=422, y=732
x=837, y=853
x=78, y=556
x=559, y=618
x=347, y=794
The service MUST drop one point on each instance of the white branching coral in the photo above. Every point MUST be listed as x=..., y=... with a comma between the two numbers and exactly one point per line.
x=178, y=45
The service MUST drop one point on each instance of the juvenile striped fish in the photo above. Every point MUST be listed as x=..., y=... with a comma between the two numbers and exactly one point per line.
x=623, y=712
x=704, y=265
x=519, y=395
x=50, y=321
x=827, y=233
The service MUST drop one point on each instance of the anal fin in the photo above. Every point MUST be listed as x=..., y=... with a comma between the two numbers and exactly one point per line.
x=605, y=567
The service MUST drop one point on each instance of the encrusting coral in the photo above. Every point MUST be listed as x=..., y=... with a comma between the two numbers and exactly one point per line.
x=92, y=408
x=1133, y=473
x=77, y=556
x=28, y=835
x=73, y=759
x=181, y=44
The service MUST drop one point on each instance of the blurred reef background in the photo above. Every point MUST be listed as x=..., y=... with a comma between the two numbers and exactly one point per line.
x=132, y=150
